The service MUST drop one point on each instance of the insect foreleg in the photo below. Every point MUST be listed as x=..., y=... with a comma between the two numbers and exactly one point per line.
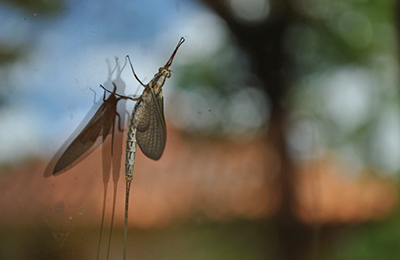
x=137, y=78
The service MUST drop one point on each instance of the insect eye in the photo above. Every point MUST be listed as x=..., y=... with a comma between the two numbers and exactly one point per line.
x=160, y=69
x=168, y=74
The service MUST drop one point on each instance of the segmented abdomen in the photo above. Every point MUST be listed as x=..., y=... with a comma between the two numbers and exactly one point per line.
x=131, y=145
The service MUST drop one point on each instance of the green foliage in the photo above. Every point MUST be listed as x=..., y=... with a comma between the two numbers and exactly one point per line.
x=223, y=73
x=372, y=241
x=38, y=7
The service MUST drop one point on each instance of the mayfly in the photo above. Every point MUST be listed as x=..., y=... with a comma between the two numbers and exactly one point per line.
x=100, y=122
x=146, y=127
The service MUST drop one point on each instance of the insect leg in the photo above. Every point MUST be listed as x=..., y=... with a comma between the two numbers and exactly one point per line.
x=137, y=78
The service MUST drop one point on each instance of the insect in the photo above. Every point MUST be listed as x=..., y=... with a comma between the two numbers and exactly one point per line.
x=146, y=127
x=100, y=122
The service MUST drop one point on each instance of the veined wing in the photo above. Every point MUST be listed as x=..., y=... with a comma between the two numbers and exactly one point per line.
x=151, y=132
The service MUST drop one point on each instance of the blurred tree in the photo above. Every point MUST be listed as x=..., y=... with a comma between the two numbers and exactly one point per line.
x=286, y=43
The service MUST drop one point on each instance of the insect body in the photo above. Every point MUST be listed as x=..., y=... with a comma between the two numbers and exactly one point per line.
x=146, y=126
x=147, y=123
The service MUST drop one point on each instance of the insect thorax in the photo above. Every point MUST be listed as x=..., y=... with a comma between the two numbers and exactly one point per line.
x=159, y=79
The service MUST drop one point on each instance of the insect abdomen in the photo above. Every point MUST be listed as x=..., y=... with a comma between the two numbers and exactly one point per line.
x=131, y=146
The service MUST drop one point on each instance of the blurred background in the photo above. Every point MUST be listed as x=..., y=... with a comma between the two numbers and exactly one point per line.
x=283, y=121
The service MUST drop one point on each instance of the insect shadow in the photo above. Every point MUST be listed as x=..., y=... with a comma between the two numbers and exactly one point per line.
x=105, y=117
x=102, y=119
